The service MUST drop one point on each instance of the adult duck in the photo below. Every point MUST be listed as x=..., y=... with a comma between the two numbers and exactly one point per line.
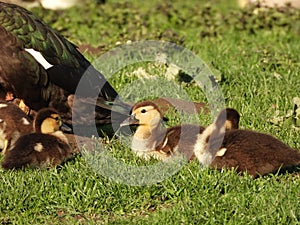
x=48, y=4
x=40, y=66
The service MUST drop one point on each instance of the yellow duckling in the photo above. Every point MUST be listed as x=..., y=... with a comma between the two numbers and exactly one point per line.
x=151, y=139
x=13, y=124
x=47, y=147
x=246, y=150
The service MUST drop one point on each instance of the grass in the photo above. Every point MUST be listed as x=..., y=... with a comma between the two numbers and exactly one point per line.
x=256, y=58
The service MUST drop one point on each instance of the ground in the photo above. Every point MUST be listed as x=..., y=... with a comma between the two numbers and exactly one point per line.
x=254, y=56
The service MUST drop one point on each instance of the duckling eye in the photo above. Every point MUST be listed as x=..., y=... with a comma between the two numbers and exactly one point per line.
x=143, y=111
x=56, y=118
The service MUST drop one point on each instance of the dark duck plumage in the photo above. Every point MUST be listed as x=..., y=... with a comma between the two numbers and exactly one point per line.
x=152, y=139
x=47, y=4
x=46, y=147
x=13, y=124
x=245, y=150
x=52, y=80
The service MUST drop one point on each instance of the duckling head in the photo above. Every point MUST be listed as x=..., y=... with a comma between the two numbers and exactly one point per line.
x=232, y=118
x=226, y=120
x=209, y=142
x=47, y=121
x=148, y=119
x=145, y=114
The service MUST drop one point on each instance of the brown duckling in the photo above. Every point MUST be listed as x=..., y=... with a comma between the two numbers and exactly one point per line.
x=245, y=150
x=151, y=139
x=47, y=147
x=13, y=124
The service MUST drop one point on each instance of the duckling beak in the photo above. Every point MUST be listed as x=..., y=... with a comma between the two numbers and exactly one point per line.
x=131, y=120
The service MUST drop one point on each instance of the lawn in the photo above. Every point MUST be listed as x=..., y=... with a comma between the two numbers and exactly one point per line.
x=254, y=55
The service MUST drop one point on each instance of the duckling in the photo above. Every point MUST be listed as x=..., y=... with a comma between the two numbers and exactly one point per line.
x=248, y=151
x=41, y=67
x=13, y=124
x=152, y=140
x=46, y=147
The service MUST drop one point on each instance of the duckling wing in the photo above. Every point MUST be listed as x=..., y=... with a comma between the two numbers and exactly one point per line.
x=181, y=139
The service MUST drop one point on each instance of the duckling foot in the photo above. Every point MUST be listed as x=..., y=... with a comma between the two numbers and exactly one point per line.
x=24, y=107
x=9, y=96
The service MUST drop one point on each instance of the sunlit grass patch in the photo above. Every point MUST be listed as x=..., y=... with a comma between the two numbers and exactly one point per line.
x=256, y=60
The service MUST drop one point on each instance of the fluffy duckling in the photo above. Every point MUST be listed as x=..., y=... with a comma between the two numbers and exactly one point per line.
x=13, y=124
x=47, y=147
x=247, y=151
x=151, y=139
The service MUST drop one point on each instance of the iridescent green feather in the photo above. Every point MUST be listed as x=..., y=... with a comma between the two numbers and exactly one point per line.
x=34, y=33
